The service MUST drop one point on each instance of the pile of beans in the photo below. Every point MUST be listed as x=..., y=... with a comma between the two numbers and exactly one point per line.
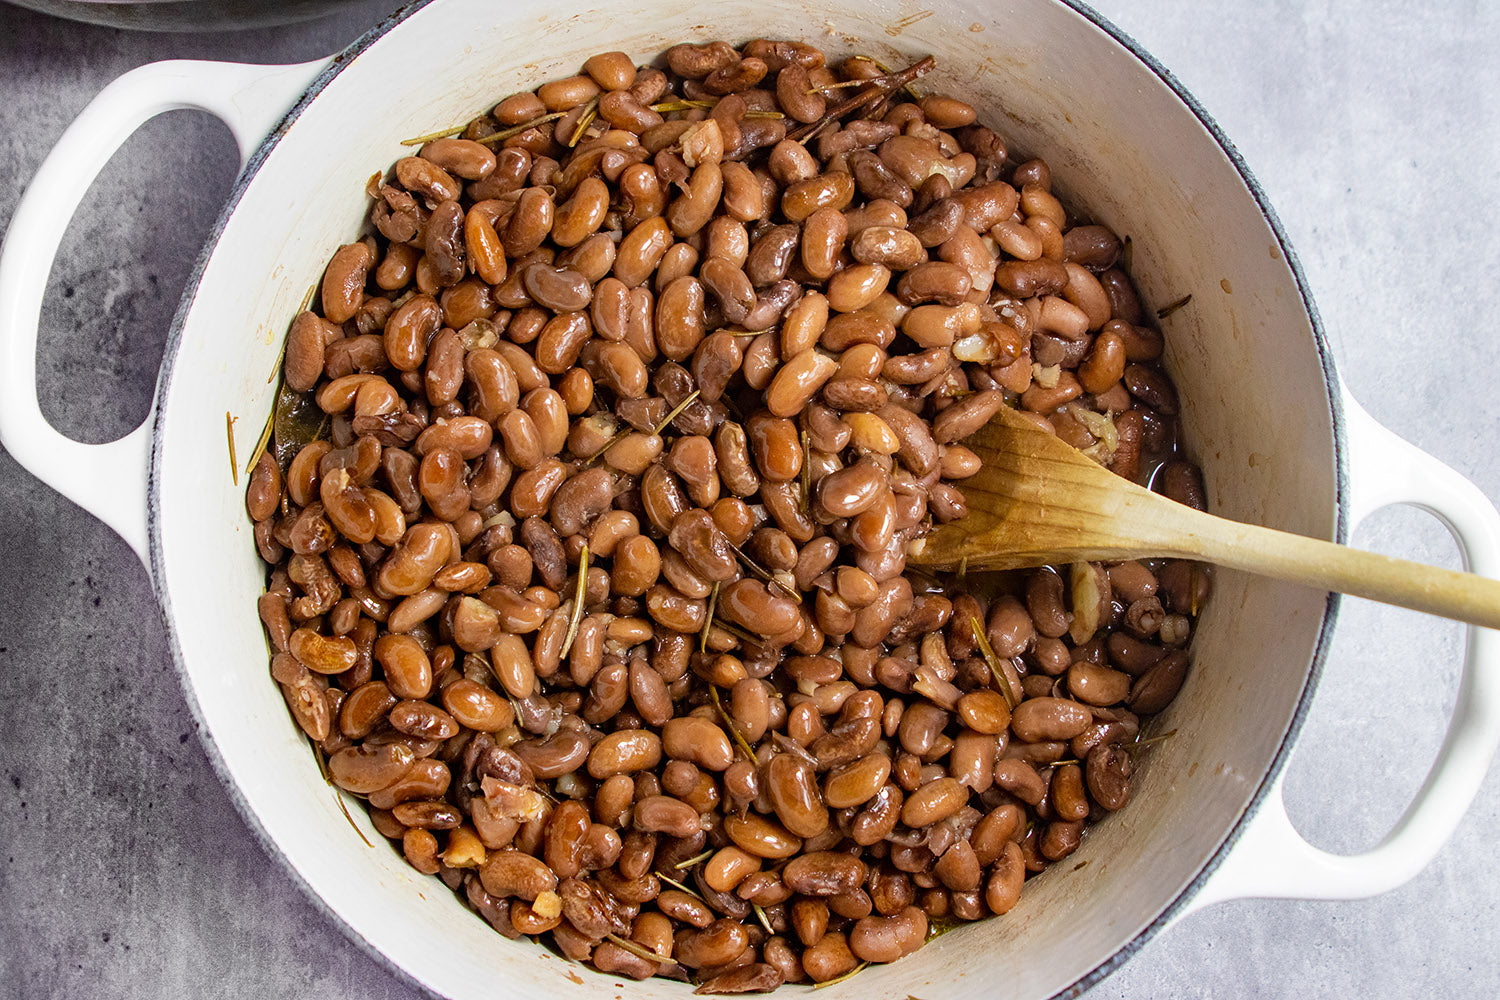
x=594, y=585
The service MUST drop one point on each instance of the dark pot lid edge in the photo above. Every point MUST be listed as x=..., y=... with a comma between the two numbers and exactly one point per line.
x=1330, y=381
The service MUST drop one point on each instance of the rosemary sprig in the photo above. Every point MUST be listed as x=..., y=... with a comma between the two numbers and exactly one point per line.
x=882, y=87
x=682, y=104
x=585, y=119
x=627, y=430
x=234, y=462
x=639, y=951
x=734, y=630
x=1169, y=309
x=806, y=477
x=744, y=744
x=905, y=22
x=690, y=862
x=842, y=979
x=988, y=652
x=422, y=140
x=339, y=798
x=677, y=885
x=1151, y=739
x=615, y=439
x=506, y=133
x=276, y=370
x=281, y=354
x=262, y=442
x=1133, y=744
x=756, y=569
x=843, y=84
x=765, y=921
x=676, y=411
x=708, y=619
x=322, y=761
x=576, y=618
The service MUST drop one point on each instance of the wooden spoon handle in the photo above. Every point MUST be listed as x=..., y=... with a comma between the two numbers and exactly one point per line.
x=1285, y=556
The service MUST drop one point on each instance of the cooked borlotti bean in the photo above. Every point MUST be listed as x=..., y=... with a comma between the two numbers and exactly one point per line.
x=592, y=581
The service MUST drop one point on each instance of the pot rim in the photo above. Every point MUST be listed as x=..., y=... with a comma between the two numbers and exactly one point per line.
x=1127, y=950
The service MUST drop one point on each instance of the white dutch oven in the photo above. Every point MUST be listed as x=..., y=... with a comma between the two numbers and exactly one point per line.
x=1280, y=442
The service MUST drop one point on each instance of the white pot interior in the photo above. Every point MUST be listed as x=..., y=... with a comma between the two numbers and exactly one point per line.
x=1119, y=142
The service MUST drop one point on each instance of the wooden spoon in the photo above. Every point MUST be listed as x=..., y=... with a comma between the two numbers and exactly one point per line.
x=1038, y=501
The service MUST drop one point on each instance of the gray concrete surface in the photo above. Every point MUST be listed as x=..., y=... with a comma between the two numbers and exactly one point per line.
x=124, y=871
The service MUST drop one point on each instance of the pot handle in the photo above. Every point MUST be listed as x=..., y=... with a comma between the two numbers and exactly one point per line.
x=108, y=480
x=1271, y=859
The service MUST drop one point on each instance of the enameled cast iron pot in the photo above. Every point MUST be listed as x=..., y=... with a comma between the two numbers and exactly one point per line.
x=1280, y=443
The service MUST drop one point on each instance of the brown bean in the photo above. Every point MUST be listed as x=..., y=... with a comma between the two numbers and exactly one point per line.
x=409, y=329
x=760, y=836
x=984, y=711
x=510, y=872
x=680, y=317
x=663, y=814
x=823, y=235
x=697, y=61
x=310, y=335
x=795, y=95
x=714, y=945
x=698, y=740
x=1096, y=685
x=728, y=868
x=885, y=939
x=1003, y=889
x=857, y=286
x=476, y=706
x=344, y=281
x=1156, y=688
x=366, y=769
x=530, y=223
x=1039, y=719
x=322, y=654
x=972, y=759
x=794, y=794
x=750, y=708
x=967, y=416
x=554, y=756
x=1094, y=247
x=624, y=752
x=798, y=381
x=1107, y=773
x=934, y=801
x=751, y=604
x=1020, y=779
x=858, y=782
x=829, y=958
x=691, y=211
x=637, y=565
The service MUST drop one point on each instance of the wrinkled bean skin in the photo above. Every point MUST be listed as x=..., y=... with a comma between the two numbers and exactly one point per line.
x=594, y=577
